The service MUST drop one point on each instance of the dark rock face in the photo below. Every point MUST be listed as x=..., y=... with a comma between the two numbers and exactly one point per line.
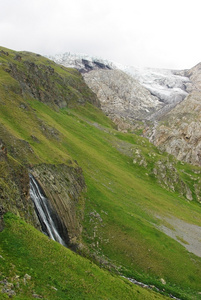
x=101, y=65
x=2, y=212
x=14, y=190
x=3, y=151
x=63, y=186
x=39, y=82
x=51, y=223
x=83, y=63
x=45, y=81
x=18, y=57
x=2, y=52
x=85, y=66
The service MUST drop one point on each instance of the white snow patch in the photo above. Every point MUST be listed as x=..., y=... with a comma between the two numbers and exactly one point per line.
x=163, y=83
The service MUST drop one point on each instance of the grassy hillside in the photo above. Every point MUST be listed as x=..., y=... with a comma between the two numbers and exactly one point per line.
x=122, y=203
x=129, y=196
x=33, y=266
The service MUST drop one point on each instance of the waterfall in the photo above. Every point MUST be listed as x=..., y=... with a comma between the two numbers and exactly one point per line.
x=47, y=217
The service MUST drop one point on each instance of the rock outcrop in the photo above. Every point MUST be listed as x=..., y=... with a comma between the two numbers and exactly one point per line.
x=194, y=75
x=27, y=76
x=64, y=187
x=14, y=189
x=122, y=97
x=179, y=132
x=167, y=171
x=166, y=101
x=83, y=63
x=41, y=79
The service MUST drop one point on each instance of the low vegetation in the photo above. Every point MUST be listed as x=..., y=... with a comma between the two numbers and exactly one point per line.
x=33, y=266
x=128, y=198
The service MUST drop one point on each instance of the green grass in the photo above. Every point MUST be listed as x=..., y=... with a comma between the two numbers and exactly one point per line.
x=56, y=272
x=126, y=196
x=127, y=201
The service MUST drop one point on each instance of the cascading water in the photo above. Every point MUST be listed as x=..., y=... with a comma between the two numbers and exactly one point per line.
x=44, y=212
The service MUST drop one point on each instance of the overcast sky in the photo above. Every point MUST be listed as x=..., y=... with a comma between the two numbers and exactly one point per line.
x=150, y=33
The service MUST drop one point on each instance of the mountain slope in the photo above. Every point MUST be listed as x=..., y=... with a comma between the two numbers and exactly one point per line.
x=165, y=101
x=168, y=85
x=82, y=62
x=121, y=96
x=32, y=266
x=132, y=189
x=179, y=132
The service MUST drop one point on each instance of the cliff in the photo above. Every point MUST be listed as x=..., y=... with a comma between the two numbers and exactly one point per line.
x=26, y=138
x=179, y=132
x=122, y=97
x=64, y=187
x=41, y=79
x=14, y=189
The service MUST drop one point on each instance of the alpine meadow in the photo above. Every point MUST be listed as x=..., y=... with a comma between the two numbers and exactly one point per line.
x=128, y=207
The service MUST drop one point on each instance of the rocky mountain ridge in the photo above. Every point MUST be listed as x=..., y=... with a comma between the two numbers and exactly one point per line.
x=115, y=210
x=168, y=85
x=82, y=62
x=165, y=101
x=179, y=131
x=121, y=96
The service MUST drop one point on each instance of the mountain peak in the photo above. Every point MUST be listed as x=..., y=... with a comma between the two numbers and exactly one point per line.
x=82, y=62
